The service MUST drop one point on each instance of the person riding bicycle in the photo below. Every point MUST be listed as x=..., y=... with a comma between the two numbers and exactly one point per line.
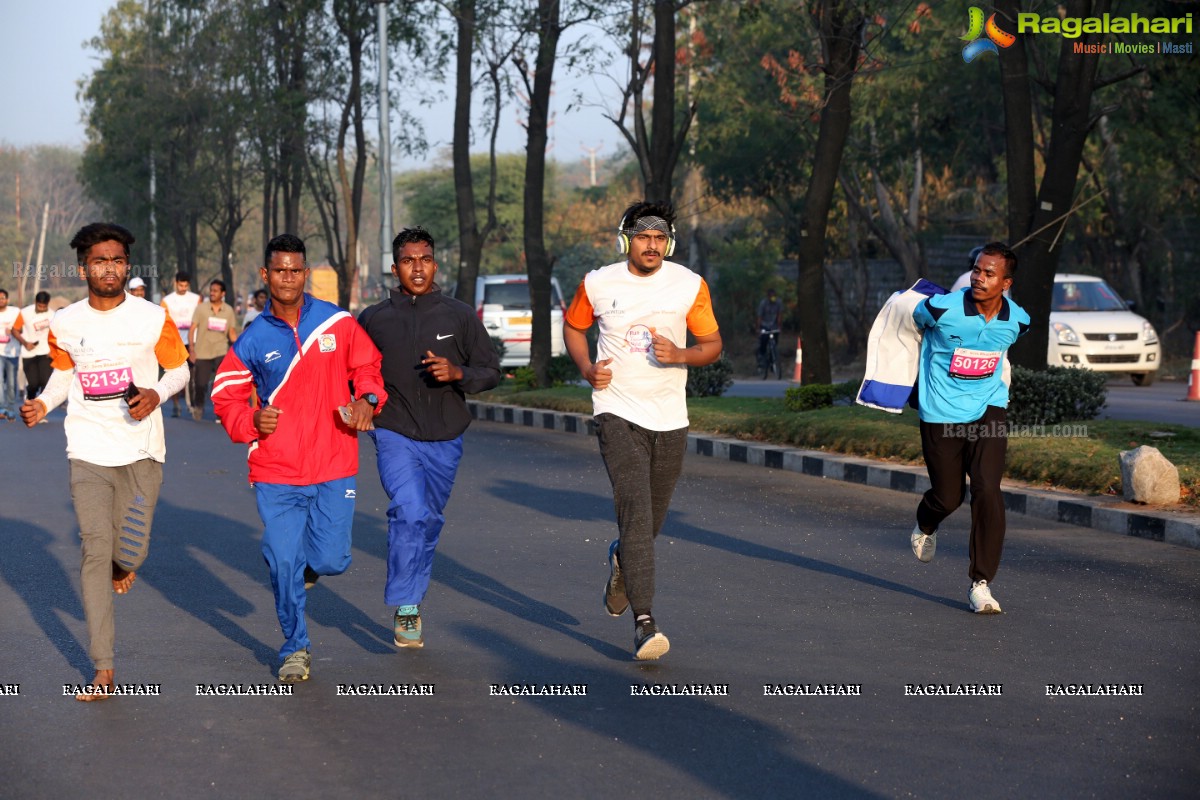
x=770, y=315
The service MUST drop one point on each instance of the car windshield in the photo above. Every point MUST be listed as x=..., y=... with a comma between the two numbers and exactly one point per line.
x=1086, y=296
x=515, y=295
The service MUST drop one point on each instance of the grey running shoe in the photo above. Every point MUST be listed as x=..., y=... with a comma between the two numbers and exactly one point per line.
x=406, y=627
x=649, y=642
x=615, y=601
x=924, y=545
x=295, y=667
x=981, y=598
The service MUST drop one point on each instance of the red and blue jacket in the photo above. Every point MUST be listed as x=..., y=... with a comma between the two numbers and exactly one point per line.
x=307, y=373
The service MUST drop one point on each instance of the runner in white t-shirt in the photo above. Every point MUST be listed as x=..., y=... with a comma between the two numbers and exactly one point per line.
x=10, y=354
x=645, y=307
x=106, y=351
x=181, y=305
x=30, y=330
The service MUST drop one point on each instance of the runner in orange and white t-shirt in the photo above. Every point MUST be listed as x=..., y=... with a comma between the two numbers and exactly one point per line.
x=106, y=351
x=644, y=307
x=181, y=305
x=30, y=330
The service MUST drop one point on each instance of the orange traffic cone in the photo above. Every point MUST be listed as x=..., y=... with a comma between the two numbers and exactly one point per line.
x=800, y=360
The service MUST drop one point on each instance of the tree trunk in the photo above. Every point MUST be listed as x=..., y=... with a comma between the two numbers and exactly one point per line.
x=1070, y=122
x=537, y=259
x=470, y=243
x=840, y=24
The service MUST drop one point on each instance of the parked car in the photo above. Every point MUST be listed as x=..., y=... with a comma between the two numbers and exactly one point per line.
x=502, y=302
x=1092, y=327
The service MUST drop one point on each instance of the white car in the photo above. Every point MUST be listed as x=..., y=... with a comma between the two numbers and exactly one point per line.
x=1092, y=327
x=502, y=302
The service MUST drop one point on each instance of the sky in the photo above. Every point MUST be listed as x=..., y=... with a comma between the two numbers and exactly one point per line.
x=43, y=57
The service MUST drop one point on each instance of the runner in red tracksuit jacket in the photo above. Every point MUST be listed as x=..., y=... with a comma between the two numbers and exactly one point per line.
x=300, y=355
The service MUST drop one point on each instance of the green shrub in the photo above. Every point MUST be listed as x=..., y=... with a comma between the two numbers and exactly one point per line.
x=524, y=379
x=818, y=395
x=710, y=381
x=1057, y=394
x=562, y=371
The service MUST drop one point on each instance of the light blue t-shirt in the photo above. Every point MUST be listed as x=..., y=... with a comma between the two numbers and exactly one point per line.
x=962, y=356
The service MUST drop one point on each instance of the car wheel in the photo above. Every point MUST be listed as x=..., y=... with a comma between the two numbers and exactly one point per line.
x=1142, y=378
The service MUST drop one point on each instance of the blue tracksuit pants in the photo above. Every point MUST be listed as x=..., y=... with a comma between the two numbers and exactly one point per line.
x=417, y=477
x=303, y=525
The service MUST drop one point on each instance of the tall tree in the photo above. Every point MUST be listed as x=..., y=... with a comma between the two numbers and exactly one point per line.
x=480, y=29
x=547, y=25
x=656, y=142
x=1038, y=213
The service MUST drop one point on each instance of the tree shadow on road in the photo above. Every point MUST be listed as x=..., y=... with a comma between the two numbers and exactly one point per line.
x=36, y=575
x=567, y=504
x=727, y=751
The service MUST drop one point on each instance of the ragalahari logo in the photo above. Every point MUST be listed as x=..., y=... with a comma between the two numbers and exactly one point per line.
x=996, y=38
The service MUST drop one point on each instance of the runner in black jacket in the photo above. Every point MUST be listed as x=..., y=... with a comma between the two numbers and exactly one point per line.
x=435, y=351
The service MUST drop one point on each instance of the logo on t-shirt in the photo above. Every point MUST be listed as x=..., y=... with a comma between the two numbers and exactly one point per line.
x=639, y=339
x=327, y=343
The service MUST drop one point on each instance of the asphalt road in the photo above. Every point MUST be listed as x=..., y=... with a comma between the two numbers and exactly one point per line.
x=1160, y=402
x=765, y=578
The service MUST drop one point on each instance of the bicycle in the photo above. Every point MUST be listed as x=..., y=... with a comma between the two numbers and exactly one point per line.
x=768, y=349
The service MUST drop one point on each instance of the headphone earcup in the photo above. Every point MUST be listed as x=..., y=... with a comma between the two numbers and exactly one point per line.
x=622, y=244
x=670, y=245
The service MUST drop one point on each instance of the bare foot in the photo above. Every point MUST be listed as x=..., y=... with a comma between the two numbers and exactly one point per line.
x=122, y=579
x=99, y=688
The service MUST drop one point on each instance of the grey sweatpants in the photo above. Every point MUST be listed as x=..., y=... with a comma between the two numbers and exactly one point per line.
x=115, y=509
x=643, y=466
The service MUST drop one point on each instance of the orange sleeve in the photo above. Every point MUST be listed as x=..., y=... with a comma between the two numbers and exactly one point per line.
x=59, y=358
x=700, y=319
x=581, y=315
x=170, y=350
x=19, y=324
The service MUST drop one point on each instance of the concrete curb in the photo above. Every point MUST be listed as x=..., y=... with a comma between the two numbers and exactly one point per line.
x=1101, y=513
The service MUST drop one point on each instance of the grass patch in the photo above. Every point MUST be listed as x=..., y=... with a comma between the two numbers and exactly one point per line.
x=1083, y=460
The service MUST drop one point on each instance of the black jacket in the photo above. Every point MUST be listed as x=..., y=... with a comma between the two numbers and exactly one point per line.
x=404, y=327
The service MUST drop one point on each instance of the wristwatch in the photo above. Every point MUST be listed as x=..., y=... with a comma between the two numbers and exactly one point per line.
x=371, y=398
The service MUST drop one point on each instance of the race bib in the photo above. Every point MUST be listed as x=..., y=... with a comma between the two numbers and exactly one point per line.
x=41, y=325
x=105, y=381
x=973, y=365
x=4, y=334
x=218, y=324
x=183, y=326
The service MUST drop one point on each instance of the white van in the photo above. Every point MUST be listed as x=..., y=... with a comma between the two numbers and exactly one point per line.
x=502, y=302
x=1092, y=327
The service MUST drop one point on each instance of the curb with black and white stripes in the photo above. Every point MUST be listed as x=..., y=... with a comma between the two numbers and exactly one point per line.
x=1075, y=509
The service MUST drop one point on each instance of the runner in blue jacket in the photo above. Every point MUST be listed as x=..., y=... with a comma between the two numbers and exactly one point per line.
x=435, y=351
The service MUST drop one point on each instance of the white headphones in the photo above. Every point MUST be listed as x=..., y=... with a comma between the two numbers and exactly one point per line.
x=623, y=240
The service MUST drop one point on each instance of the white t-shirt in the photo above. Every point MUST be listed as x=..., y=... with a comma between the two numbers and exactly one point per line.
x=35, y=327
x=626, y=307
x=106, y=351
x=181, y=307
x=9, y=346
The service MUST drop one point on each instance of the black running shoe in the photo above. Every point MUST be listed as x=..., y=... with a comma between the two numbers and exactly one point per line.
x=649, y=642
x=615, y=601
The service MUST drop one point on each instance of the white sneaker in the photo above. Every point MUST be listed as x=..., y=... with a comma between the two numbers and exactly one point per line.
x=982, y=601
x=924, y=545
